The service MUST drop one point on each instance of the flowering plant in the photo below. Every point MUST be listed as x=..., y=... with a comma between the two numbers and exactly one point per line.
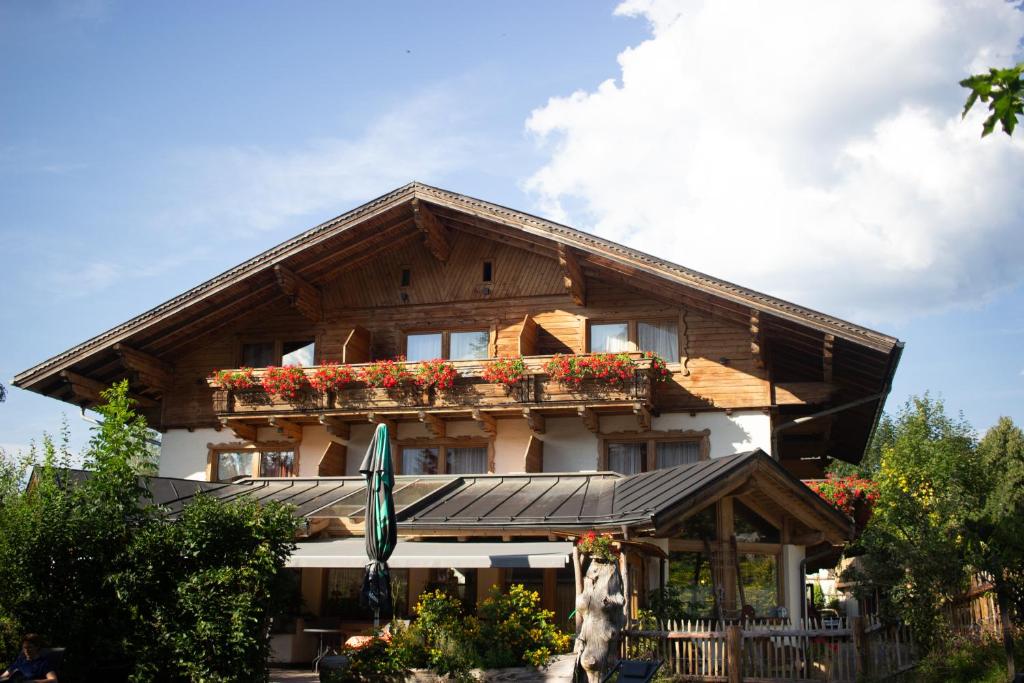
x=658, y=367
x=507, y=371
x=597, y=546
x=436, y=373
x=242, y=378
x=387, y=374
x=844, y=492
x=331, y=377
x=613, y=368
x=286, y=382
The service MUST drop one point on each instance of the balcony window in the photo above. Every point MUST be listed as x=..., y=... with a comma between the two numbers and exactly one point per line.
x=260, y=354
x=277, y=464
x=609, y=338
x=636, y=452
x=423, y=346
x=660, y=337
x=468, y=345
x=297, y=353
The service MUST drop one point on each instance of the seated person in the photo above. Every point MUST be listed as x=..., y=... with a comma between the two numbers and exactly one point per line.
x=31, y=664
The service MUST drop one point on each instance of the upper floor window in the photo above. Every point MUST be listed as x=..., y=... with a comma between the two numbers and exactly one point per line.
x=443, y=459
x=658, y=336
x=455, y=345
x=648, y=451
x=260, y=354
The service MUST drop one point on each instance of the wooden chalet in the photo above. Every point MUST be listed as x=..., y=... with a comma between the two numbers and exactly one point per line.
x=698, y=476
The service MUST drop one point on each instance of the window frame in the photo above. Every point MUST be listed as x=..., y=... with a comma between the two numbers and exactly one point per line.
x=632, y=327
x=257, y=449
x=651, y=439
x=446, y=335
x=442, y=446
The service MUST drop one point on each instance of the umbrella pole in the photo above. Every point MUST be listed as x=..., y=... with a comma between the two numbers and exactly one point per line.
x=376, y=620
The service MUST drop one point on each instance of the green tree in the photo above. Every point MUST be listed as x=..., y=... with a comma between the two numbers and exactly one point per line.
x=995, y=524
x=914, y=546
x=1003, y=91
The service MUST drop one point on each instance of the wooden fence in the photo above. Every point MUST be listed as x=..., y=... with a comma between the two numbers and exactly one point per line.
x=975, y=613
x=836, y=650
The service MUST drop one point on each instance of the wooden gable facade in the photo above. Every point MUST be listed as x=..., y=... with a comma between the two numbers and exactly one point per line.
x=424, y=259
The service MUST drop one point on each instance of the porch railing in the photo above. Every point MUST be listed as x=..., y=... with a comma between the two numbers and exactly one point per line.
x=835, y=650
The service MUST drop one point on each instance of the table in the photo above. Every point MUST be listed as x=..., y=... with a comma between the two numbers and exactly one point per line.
x=322, y=650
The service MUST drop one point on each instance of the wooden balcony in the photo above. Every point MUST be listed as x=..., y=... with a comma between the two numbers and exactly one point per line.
x=472, y=397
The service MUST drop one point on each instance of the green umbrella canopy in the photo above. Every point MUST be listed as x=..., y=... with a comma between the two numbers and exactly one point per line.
x=381, y=529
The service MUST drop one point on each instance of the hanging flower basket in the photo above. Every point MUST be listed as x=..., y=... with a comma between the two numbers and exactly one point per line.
x=436, y=374
x=286, y=382
x=659, y=369
x=847, y=493
x=507, y=371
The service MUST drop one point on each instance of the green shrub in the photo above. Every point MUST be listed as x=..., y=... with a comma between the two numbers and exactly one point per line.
x=515, y=631
x=441, y=638
x=378, y=661
x=958, y=658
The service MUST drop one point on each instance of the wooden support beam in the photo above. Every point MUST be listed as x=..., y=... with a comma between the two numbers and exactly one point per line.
x=302, y=296
x=643, y=416
x=336, y=427
x=802, y=393
x=149, y=371
x=534, y=420
x=434, y=233
x=808, y=539
x=826, y=357
x=572, y=275
x=377, y=419
x=435, y=425
x=88, y=390
x=590, y=418
x=756, y=343
x=243, y=430
x=287, y=427
x=487, y=422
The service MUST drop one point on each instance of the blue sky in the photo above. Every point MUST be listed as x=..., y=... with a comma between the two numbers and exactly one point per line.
x=146, y=147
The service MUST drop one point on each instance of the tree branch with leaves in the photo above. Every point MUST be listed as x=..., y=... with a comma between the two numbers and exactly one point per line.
x=1003, y=91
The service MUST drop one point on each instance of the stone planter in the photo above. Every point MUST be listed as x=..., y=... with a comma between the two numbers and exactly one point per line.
x=559, y=671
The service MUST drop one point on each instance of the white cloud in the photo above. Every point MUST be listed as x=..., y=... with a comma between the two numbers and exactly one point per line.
x=812, y=150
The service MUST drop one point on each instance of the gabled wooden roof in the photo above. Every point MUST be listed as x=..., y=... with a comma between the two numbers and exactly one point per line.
x=800, y=340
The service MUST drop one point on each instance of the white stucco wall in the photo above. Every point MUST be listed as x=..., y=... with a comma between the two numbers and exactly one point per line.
x=744, y=430
x=183, y=453
x=510, y=446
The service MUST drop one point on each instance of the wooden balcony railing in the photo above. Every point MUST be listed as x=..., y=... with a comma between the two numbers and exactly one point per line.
x=536, y=389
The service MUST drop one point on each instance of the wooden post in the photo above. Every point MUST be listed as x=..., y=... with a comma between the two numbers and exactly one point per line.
x=860, y=646
x=577, y=570
x=734, y=653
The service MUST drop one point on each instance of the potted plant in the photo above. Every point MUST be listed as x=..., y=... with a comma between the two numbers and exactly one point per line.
x=598, y=547
x=507, y=371
x=387, y=374
x=235, y=380
x=287, y=382
x=436, y=374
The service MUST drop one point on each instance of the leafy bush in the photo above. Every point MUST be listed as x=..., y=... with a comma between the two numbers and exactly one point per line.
x=442, y=636
x=957, y=658
x=514, y=631
x=378, y=661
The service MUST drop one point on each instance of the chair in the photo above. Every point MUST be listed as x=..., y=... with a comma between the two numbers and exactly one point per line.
x=634, y=671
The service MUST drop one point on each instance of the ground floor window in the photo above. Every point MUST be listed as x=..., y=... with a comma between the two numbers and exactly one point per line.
x=227, y=464
x=344, y=587
x=692, y=580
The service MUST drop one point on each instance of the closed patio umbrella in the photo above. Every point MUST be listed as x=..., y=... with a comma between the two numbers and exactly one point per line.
x=381, y=528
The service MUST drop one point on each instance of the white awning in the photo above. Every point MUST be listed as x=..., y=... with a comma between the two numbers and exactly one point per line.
x=351, y=552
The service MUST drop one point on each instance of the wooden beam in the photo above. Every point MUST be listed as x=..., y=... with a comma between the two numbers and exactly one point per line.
x=435, y=425
x=149, y=371
x=802, y=393
x=811, y=538
x=302, y=296
x=590, y=418
x=88, y=390
x=336, y=427
x=572, y=275
x=286, y=427
x=378, y=419
x=643, y=416
x=826, y=357
x=756, y=344
x=487, y=422
x=534, y=420
x=434, y=233
x=243, y=430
